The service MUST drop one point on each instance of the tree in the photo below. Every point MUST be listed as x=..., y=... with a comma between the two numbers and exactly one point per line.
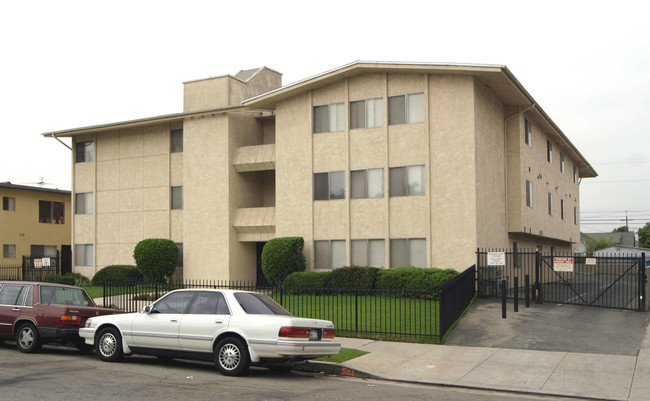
x=644, y=236
x=622, y=229
x=598, y=243
x=281, y=257
x=156, y=258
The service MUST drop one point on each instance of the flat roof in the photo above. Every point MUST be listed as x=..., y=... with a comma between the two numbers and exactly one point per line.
x=9, y=185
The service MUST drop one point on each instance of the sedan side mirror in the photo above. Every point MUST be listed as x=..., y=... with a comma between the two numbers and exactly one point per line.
x=147, y=309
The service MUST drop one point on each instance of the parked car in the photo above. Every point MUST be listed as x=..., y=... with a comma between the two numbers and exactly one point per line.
x=235, y=329
x=37, y=313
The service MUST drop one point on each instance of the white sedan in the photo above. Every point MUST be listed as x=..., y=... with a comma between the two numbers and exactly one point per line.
x=235, y=329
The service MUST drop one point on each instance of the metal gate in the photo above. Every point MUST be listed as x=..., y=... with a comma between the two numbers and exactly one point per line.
x=616, y=282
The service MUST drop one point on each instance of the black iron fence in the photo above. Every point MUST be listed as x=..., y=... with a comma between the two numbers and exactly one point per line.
x=613, y=281
x=397, y=315
x=11, y=272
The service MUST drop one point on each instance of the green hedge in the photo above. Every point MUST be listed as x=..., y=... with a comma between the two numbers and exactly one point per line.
x=281, y=257
x=354, y=278
x=156, y=257
x=410, y=278
x=307, y=282
x=117, y=273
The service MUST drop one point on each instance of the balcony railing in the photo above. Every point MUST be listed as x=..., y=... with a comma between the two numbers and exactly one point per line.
x=255, y=224
x=255, y=158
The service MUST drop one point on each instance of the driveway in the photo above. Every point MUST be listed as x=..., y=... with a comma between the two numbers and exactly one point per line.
x=551, y=327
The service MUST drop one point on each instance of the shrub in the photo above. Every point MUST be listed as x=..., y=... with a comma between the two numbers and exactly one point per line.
x=55, y=278
x=117, y=273
x=354, y=278
x=414, y=280
x=308, y=282
x=281, y=257
x=78, y=279
x=156, y=258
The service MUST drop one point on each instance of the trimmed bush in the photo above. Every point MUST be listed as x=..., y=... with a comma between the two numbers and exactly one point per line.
x=410, y=278
x=281, y=257
x=156, y=258
x=354, y=278
x=308, y=282
x=117, y=273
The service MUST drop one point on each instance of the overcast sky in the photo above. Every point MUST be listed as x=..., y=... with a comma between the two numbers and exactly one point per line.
x=69, y=64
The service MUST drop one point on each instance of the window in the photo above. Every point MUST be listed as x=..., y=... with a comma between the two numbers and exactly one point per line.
x=329, y=118
x=43, y=251
x=176, y=141
x=549, y=152
x=84, y=151
x=177, y=197
x=575, y=215
x=329, y=254
x=64, y=296
x=12, y=294
x=83, y=254
x=562, y=162
x=179, y=259
x=408, y=252
x=529, y=193
x=209, y=303
x=260, y=304
x=367, y=113
x=8, y=203
x=407, y=181
x=367, y=183
x=83, y=203
x=406, y=109
x=528, y=133
x=50, y=212
x=368, y=252
x=175, y=302
x=329, y=185
x=9, y=251
x=550, y=204
x=575, y=174
x=563, y=209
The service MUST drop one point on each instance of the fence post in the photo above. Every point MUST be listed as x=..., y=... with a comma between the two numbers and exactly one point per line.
x=516, y=292
x=104, y=295
x=503, y=299
x=538, y=287
x=644, y=278
x=527, y=290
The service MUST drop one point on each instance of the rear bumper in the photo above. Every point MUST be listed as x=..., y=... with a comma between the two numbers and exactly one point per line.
x=307, y=348
x=58, y=332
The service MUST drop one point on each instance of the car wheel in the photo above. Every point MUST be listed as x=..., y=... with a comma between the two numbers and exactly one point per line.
x=27, y=338
x=109, y=345
x=231, y=357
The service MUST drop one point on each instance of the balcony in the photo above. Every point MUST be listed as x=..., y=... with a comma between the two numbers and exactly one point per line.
x=255, y=224
x=254, y=158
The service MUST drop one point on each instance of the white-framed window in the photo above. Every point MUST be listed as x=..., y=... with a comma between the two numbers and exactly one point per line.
x=177, y=197
x=329, y=185
x=368, y=252
x=368, y=113
x=406, y=109
x=83, y=254
x=179, y=259
x=176, y=140
x=84, y=151
x=43, y=251
x=367, y=183
x=529, y=193
x=408, y=252
x=549, y=152
x=329, y=118
x=563, y=209
x=575, y=215
x=407, y=180
x=83, y=203
x=51, y=212
x=528, y=133
x=9, y=251
x=562, y=162
x=329, y=254
x=550, y=204
x=9, y=203
x=575, y=174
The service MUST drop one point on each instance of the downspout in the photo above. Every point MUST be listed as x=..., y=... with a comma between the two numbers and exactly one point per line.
x=505, y=155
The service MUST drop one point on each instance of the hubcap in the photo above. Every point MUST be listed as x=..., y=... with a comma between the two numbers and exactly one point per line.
x=26, y=337
x=107, y=344
x=229, y=357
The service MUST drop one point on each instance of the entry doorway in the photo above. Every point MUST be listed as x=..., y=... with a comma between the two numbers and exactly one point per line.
x=261, y=279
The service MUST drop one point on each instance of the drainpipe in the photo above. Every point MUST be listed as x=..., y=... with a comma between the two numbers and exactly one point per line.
x=505, y=155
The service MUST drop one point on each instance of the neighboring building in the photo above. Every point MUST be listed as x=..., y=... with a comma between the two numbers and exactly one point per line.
x=35, y=222
x=626, y=239
x=382, y=164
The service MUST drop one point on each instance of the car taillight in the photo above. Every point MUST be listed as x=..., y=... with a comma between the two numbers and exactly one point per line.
x=72, y=320
x=328, y=333
x=294, y=332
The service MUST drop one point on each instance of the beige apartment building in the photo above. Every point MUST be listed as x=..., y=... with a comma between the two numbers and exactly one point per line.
x=34, y=221
x=382, y=164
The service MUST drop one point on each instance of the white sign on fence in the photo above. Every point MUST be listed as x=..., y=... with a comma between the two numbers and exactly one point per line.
x=590, y=261
x=563, y=264
x=496, y=259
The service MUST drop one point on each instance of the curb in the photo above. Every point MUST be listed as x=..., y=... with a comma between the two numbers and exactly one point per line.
x=333, y=369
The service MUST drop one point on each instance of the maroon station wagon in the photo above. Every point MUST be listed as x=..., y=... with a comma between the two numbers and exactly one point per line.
x=37, y=313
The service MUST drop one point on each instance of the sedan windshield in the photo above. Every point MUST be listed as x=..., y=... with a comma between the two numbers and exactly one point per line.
x=260, y=304
x=65, y=296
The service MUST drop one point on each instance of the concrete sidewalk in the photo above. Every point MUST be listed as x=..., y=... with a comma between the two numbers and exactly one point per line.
x=600, y=376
